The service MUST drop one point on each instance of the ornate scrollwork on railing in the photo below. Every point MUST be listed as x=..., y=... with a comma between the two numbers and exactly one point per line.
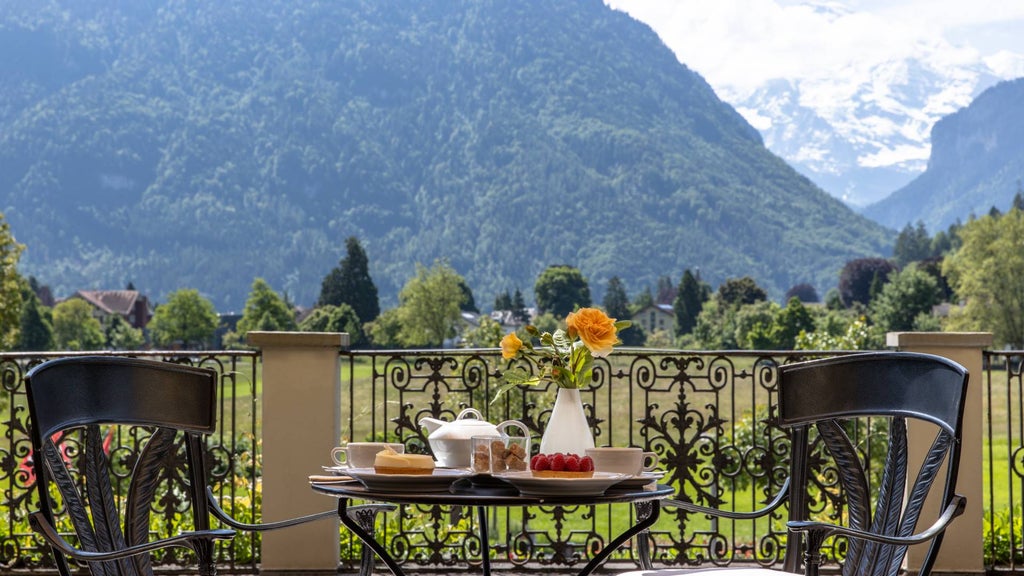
x=704, y=414
x=234, y=455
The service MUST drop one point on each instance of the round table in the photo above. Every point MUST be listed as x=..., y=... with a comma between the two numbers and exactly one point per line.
x=463, y=492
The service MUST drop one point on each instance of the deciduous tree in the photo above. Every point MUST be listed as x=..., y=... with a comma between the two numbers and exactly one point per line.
x=10, y=286
x=987, y=273
x=789, y=323
x=75, y=328
x=120, y=335
x=908, y=294
x=186, y=319
x=430, y=306
x=340, y=318
x=265, y=310
x=857, y=276
x=803, y=291
x=740, y=291
x=560, y=289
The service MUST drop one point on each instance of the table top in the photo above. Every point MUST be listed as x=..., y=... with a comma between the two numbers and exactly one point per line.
x=467, y=493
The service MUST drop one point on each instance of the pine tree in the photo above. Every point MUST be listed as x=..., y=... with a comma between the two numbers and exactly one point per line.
x=503, y=301
x=616, y=303
x=666, y=290
x=519, y=311
x=350, y=283
x=36, y=334
x=468, y=301
x=690, y=298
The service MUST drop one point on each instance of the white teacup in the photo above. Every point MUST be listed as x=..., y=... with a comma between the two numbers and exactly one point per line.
x=632, y=461
x=361, y=454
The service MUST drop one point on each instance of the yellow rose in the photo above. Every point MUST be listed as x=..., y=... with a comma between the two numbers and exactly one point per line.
x=595, y=329
x=510, y=346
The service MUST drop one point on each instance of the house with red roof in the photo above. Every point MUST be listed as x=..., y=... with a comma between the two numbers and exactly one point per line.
x=128, y=304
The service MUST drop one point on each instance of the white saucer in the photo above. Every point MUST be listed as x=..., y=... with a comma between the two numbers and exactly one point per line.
x=640, y=480
x=438, y=481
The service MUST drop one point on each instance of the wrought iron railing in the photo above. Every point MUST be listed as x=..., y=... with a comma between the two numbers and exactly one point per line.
x=1004, y=459
x=234, y=450
x=704, y=413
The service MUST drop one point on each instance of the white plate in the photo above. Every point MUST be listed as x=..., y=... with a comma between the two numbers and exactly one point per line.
x=640, y=480
x=529, y=485
x=336, y=470
x=438, y=481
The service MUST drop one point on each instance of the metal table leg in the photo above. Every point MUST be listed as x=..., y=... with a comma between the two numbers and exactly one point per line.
x=642, y=524
x=485, y=541
x=367, y=538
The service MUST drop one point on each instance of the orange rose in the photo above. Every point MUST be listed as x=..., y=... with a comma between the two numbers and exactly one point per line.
x=595, y=329
x=510, y=346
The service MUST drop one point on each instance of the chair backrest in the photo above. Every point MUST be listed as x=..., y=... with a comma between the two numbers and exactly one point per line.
x=72, y=400
x=884, y=386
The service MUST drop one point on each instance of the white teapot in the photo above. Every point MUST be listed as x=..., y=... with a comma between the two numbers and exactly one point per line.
x=451, y=442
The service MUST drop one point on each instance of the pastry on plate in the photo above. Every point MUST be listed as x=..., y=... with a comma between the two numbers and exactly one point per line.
x=387, y=461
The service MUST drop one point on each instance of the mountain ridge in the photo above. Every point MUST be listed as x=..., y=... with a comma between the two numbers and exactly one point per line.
x=218, y=143
x=976, y=163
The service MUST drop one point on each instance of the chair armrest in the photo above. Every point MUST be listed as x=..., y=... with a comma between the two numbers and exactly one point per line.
x=776, y=501
x=223, y=516
x=183, y=540
x=822, y=530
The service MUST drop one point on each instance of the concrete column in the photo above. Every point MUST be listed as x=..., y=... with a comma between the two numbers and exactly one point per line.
x=301, y=423
x=963, y=547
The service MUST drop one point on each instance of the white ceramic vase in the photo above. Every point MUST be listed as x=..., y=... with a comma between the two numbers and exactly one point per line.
x=567, y=430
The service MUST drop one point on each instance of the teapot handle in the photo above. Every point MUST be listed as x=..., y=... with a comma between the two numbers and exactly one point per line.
x=470, y=411
x=515, y=423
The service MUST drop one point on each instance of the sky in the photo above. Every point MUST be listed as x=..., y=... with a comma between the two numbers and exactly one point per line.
x=738, y=45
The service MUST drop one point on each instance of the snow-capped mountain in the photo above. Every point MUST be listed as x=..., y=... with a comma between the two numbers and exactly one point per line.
x=862, y=134
x=847, y=92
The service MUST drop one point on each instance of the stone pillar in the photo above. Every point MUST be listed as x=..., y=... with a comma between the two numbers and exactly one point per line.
x=963, y=547
x=301, y=423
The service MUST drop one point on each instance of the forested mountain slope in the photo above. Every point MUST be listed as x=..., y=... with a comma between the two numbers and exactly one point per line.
x=197, y=144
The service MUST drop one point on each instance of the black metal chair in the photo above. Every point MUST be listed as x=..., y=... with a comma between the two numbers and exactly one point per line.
x=828, y=394
x=71, y=401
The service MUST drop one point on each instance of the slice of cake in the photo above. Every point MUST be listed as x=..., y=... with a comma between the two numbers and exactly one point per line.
x=387, y=461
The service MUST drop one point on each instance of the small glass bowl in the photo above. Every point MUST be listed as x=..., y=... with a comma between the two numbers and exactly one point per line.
x=494, y=454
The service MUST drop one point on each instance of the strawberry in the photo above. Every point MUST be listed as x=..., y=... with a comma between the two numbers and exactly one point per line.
x=558, y=462
x=572, y=463
x=586, y=464
x=540, y=462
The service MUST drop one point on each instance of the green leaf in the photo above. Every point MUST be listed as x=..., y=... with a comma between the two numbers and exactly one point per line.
x=515, y=377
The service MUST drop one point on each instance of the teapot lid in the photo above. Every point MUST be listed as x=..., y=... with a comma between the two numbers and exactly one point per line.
x=470, y=422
